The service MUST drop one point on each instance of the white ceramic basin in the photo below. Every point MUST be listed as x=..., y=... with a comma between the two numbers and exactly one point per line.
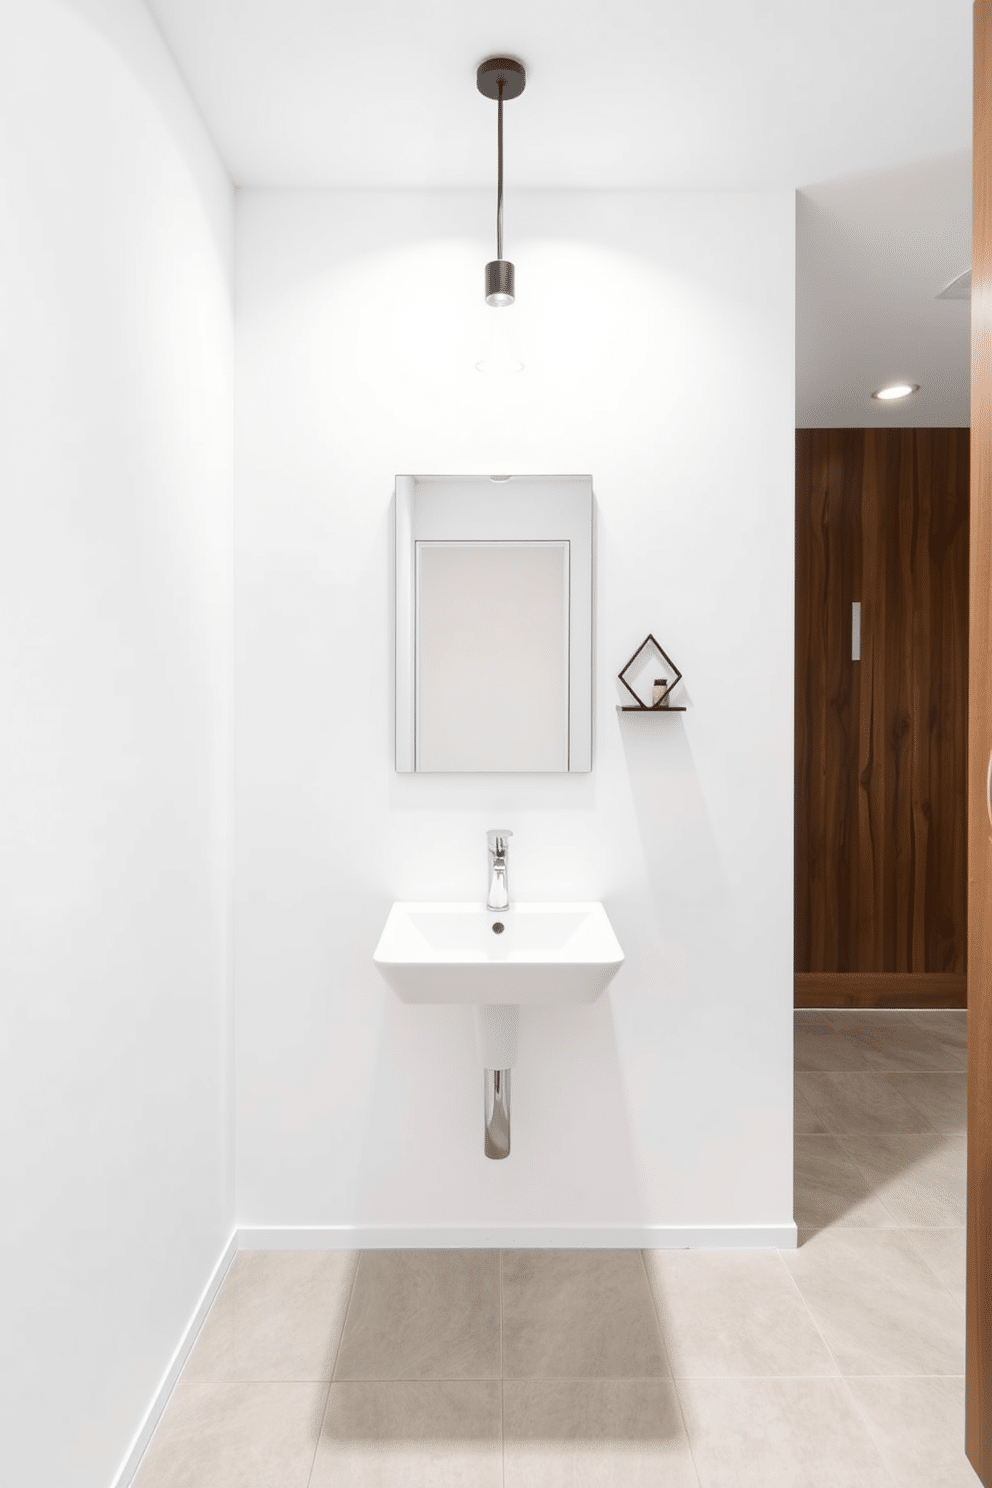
x=545, y=953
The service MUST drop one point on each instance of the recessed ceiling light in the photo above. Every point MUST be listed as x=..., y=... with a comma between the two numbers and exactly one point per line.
x=895, y=390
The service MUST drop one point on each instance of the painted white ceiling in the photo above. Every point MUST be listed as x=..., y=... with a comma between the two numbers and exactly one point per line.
x=624, y=93
x=873, y=253
x=863, y=105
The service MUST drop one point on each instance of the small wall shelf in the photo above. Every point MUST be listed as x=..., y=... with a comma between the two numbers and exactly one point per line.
x=639, y=705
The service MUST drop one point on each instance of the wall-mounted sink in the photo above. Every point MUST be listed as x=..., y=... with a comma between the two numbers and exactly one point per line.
x=530, y=953
x=498, y=960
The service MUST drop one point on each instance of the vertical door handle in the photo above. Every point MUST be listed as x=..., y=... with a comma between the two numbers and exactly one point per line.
x=988, y=790
x=856, y=630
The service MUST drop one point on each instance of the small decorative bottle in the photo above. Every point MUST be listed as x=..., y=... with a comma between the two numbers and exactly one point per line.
x=659, y=690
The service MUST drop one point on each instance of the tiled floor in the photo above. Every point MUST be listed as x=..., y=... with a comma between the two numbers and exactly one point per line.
x=837, y=1365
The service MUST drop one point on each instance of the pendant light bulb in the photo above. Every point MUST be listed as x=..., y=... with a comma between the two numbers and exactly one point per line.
x=499, y=283
x=500, y=78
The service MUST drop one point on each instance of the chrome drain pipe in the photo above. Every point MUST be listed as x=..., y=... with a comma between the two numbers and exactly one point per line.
x=496, y=1026
x=496, y=1095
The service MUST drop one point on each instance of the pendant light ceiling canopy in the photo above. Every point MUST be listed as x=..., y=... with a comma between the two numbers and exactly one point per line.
x=500, y=78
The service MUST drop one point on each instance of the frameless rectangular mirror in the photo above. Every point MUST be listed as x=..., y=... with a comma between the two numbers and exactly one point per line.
x=493, y=623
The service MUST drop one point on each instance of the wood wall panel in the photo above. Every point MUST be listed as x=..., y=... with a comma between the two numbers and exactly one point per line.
x=978, y=1350
x=881, y=744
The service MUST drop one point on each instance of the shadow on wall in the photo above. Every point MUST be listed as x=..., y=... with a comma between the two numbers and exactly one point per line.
x=691, y=943
x=571, y=1162
x=679, y=847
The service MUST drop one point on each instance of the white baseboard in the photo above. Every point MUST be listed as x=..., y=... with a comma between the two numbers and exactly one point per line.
x=517, y=1237
x=160, y=1399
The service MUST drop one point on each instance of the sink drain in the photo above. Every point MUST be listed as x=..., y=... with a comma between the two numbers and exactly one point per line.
x=498, y=927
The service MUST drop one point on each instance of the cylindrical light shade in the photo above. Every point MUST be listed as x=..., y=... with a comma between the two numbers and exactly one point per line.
x=499, y=282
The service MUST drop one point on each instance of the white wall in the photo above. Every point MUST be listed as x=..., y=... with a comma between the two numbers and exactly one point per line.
x=115, y=447
x=658, y=336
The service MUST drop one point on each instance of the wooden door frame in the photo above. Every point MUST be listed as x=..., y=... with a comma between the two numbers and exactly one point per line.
x=978, y=1346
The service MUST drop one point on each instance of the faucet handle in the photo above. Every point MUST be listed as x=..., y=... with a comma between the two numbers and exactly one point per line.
x=497, y=839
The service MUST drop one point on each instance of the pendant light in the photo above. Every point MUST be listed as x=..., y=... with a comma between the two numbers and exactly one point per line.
x=500, y=78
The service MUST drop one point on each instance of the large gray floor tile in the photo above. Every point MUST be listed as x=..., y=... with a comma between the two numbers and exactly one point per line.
x=826, y=1050
x=914, y=1049
x=235, y=1436
x=410, y=1434
x=921, y=1180
x=573, y=1314
x=277, y=1316
x=830, y=1189
x=810, y=1018
x=944, y=1023
x=805, y=1121
x=879, y=1306
x=863, y=1102
x=865, y=1020
x=945, y=1252
x=594, y=1434
x=918, y=1427
x=734, y=1312
x=779, y=1433
x=884, y=1047
x=942, y=1099
x=422, y=1315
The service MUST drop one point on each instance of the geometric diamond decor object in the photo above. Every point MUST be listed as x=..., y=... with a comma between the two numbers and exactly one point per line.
x=675, y=676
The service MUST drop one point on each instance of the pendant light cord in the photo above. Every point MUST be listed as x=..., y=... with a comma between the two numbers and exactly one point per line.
x=499, y=174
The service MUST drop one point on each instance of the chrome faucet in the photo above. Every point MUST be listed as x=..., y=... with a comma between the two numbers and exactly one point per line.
x=499, y=888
